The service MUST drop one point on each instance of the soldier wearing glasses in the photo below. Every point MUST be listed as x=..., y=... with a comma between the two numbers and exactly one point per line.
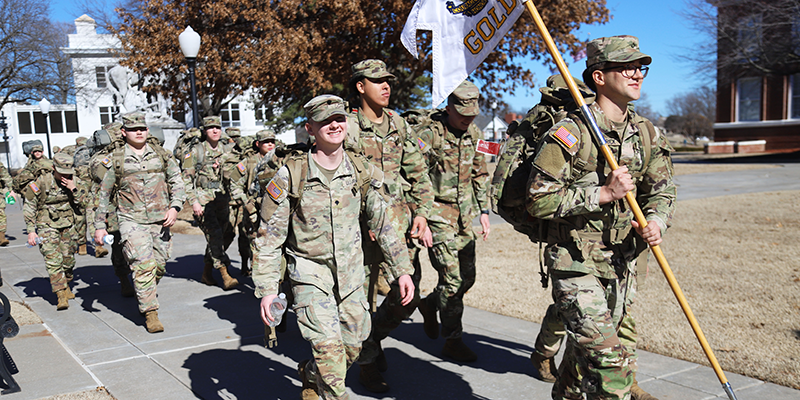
x=593, y=240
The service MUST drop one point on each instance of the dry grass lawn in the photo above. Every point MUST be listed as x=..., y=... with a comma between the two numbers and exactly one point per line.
x=735, y=259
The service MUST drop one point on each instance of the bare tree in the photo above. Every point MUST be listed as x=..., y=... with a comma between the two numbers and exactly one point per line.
x=692, y=114
x=31, y=66
x=743, y=36
x=644, y=109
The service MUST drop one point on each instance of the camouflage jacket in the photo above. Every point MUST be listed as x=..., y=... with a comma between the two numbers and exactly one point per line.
x=569, y=196
x=398, y=156
x=145, y=192
x=47, y=203
x=458, y=174
x=202, y=172
x=323, y=234
x=99, y=164
x=6, y=182
x=241, y=175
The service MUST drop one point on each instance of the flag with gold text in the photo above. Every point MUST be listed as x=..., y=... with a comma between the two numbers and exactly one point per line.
x=464, y=33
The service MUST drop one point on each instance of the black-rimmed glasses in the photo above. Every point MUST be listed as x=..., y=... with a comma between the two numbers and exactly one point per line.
x=628, y=71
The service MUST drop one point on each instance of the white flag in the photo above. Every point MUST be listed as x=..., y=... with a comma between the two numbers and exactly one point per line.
x=463, y=35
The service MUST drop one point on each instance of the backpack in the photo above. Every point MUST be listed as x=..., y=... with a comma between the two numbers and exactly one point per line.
x=186, y=142
x=32, y=170
x=297, y=164
x=421, y=118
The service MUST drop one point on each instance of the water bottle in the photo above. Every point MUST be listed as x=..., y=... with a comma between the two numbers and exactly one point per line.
x=38, y=242
x=10, y=200
x=107, y=239
x=277, y=308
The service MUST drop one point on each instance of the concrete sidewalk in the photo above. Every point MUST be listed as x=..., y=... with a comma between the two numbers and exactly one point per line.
x=212, y=346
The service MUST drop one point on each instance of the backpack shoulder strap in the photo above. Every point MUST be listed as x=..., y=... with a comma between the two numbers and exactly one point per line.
x=648, y=136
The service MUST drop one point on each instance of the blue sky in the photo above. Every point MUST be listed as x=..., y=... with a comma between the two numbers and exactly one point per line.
x=662, y=32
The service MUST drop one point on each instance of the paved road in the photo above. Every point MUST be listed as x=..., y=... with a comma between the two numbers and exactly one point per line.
x=212, y=347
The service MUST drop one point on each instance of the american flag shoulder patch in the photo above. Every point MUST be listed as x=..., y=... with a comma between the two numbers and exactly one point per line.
x=564, y=136
x=34, y=187
x=187, y=155
x=240, y=166
x=106, y=161
x=422, y=145
x=274, y=190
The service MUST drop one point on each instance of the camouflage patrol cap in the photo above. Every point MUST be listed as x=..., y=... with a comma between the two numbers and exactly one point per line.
x=63, y=163
x=374, y=69
x=621, y=49
x=465, y=99
x=56, y=149
x=37, y=147
x=133, y=120
x=233, y=132
x=323, y=107
x=113, y=130
x=265, y=134
x=213, y=121
x=80, y=141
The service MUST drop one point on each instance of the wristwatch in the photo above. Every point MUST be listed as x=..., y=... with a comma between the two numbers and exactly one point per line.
x=484, y=211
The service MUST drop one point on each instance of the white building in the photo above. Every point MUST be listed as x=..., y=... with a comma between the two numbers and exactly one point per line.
x=495, y=129
x=103, y=91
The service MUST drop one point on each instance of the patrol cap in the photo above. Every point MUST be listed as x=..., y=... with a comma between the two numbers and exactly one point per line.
x=374, y=69
x=133, y=120
x=63, y=164
x=621, y=49
x=323, y=107
x=37, y=147
x=465, y=99
x=233, y=132
x=265, y=134
x=213, y=121
x=81, y=140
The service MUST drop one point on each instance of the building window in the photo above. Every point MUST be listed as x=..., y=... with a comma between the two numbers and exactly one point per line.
x=262, y=113
x=748, y=99
x=230, y=115
x=60, y=122
x=107, y=114
x=794, y=97
x=749, y=37
x=101, y=73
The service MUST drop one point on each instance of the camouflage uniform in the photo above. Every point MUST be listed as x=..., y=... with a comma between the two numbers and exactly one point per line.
x=460, y=185
x=99, y=164
x=79, y=230
x=394, y=152
x=49, y=211
x=145, y=192
x=202, y=172
x=322, y=241
x=6, y=182
x=30, y=171
x=241, y=175
x=592, y=247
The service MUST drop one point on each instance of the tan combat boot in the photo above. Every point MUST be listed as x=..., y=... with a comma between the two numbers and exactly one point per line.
x=457, y=350
x=208, y=277
x=82, y=250
x=546, y=367
x=70, y=295
x=100, y=251
x=638, y=393
x=3, y=241
x=228, y=282
x=152, y=322
x=431, y=323
x=309, y=391
x=63, y=303
x=126, y=287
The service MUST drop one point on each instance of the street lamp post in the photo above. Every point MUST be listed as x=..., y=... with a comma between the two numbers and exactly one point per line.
x=44, y=105
x=4, y=127
x=494, y=130
x=190, y=46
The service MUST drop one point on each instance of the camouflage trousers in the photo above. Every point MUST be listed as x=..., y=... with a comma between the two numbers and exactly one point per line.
x=58, y=250
x=600, y=356
x=216, y=227
x=3, y=219
x=147, y=255
x=237, y=214
x=391, y=313
x=335, y=328
x=455, y=265
x=79, y=229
